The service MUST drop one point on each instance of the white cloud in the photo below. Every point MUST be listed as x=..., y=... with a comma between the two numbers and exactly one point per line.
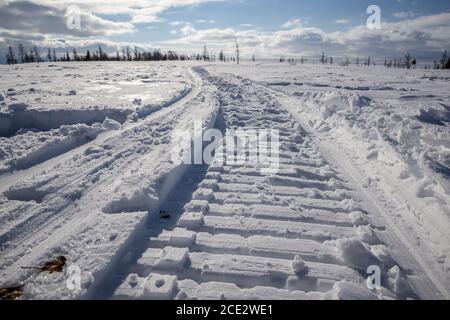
x=342, y=21
x=404, y=14
x=30, y=18
x=139, y=11
x=206, y=21
x=246, y=25
x=293, y=23
x=423, y=37
x=177, y=23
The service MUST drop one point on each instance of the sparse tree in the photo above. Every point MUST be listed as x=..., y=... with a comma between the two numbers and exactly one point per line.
x=31, y=57
x=22, y=53
x=75, y=55
x=237, y=52
x=10, y=56
x=408, y=60
x=444, y=60
x=128, y=54
x=100, y=52
x=136, y=54
x=205, y=53
x=37, y=55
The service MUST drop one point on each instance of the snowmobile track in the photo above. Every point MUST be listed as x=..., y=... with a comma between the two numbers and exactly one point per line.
x=234, y=233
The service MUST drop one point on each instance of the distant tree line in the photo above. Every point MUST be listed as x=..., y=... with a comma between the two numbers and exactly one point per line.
x=407, y=62
x=33, y=55
x=126, y=54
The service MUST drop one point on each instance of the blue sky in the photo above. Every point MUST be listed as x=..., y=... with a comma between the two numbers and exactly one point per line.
x=262, y=27
x=270, y=15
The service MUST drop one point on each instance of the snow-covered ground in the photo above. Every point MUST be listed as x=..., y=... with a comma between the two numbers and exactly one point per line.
x=85, y=169
x=42, y=106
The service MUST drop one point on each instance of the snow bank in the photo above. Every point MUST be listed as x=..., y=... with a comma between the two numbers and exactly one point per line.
x=142, y=190
x=27, y=149
x=20, y=118
x=397, y=149
x=111, y=124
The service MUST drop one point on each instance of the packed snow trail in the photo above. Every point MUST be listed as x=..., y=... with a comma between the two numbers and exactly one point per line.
x=233, y=233
x=306, y=232
x=66, y=205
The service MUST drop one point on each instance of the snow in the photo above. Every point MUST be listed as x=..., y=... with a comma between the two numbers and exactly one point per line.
x=86, y=168
x=299, y=265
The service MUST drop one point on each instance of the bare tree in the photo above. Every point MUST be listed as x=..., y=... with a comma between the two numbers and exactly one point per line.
x=128, y=54
x=10, y=56
x=22, y=53
x=237, y=52
x=75, y=54
x=31, y=57
x=37, y=55
x=205, y=53
x=136, y=54
x=408, y=60
x=444, y=59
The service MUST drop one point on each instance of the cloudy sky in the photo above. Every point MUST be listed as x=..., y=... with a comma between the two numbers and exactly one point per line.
x=267, y=28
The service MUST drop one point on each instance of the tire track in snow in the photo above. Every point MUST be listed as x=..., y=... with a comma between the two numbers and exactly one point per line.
x=425, y=276
x=234, y=234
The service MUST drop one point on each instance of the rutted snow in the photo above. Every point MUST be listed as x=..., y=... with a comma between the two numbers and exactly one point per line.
x=390, y=127
x=362, y=159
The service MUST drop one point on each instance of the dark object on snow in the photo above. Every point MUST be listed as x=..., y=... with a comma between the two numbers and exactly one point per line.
x=434, y=116
x=52, y=266
x=11, y=293
x=163, y=214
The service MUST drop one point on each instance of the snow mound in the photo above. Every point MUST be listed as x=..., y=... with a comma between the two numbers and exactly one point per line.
x=110, y=124
x=299, y=266
x=356, y=255
x=398, y=283
x=137, y=200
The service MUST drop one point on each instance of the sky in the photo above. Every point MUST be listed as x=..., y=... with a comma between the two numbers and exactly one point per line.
x=266, y=28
